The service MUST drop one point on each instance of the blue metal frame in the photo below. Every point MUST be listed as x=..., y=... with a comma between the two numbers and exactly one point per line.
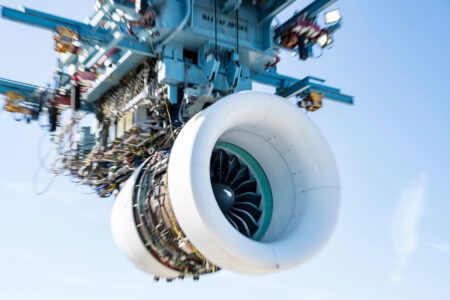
x=231, y=69
x=23, y=89
x=88, y=33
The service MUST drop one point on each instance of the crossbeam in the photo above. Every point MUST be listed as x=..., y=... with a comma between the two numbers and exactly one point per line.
x=24, y=89
x=87, y=33
x=290, y=87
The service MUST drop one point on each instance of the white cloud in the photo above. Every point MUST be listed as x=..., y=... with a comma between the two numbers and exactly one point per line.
x=407, y=216
x=442, y=247
x=396, y=276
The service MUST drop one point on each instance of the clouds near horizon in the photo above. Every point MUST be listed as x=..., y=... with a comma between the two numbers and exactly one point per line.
x=406, y=220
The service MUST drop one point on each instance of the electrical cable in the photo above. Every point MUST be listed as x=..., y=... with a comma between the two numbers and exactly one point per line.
x=34, y=182
x=237, y=30
x=106, y=167
x=215, y=29
x=183, y=23
x=41, y=157
x=169, y=118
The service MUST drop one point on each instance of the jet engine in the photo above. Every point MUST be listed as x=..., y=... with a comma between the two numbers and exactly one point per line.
x=250, y=185
x=151, y=102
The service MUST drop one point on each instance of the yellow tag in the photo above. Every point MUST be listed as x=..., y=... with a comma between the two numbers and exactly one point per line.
x=67, y=33
x=12, y=96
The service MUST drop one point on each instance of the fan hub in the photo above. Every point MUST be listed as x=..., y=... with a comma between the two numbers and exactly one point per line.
x=224, y=195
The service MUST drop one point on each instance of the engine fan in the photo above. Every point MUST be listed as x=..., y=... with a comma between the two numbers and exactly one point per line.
x=250, y=185
x=241, y=189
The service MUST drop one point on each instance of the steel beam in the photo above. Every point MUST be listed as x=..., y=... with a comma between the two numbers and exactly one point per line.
x=309, y=84
x=20, y=88
x=112, y=76
x=289, y=87
x=87, y=33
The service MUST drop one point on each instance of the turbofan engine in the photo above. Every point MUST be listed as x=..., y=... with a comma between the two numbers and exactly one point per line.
x=250, y=185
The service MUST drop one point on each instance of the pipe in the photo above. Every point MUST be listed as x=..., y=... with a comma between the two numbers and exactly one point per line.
x=180, y=27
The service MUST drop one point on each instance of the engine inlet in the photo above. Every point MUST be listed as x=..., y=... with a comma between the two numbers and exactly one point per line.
x=242, y=190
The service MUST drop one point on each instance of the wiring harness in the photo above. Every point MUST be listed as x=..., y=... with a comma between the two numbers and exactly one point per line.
x=156, y=223
x=107, y=164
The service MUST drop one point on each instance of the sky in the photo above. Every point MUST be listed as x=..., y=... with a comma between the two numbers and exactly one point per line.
x=392, y=240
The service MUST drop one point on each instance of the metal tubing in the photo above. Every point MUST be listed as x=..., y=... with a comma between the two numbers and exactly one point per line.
x=180, y=27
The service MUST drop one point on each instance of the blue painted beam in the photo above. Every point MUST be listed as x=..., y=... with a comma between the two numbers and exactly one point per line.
x=288, y=86
x=87, y=33
x=23, y=89
x=331, y=93
x=309, y=84
x=273, y=78
x=95, y=56
x=113, y=76
x=29, y=90
x=49, y=22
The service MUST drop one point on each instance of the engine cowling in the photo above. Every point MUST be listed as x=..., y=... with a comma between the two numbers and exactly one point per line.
x=250, y=185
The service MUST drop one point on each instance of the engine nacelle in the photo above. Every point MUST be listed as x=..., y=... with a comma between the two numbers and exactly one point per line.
x=250, y=185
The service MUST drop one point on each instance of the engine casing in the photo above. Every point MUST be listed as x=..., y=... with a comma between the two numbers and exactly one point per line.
x=303, y=189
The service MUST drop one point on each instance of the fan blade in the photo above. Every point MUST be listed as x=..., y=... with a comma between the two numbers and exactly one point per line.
x=214, y=159
x=250, y=208
x=211, y=174
x=248, y=219
x=215, y=165
x=223, y=158
x=232, y=222
x=232, y=169
x=246, y=186
x=240, y=223
x=241, y=176
x=249, y=197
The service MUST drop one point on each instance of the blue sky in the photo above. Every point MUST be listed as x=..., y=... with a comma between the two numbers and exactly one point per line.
x=393, y=236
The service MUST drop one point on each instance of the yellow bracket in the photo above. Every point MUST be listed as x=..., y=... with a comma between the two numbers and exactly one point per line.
x=64, y=39
x=312, y=102
x=67, y=33
x=13, y=108
x=13, y=96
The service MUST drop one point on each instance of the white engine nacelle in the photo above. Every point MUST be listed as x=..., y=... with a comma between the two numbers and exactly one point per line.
x=252, y=188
